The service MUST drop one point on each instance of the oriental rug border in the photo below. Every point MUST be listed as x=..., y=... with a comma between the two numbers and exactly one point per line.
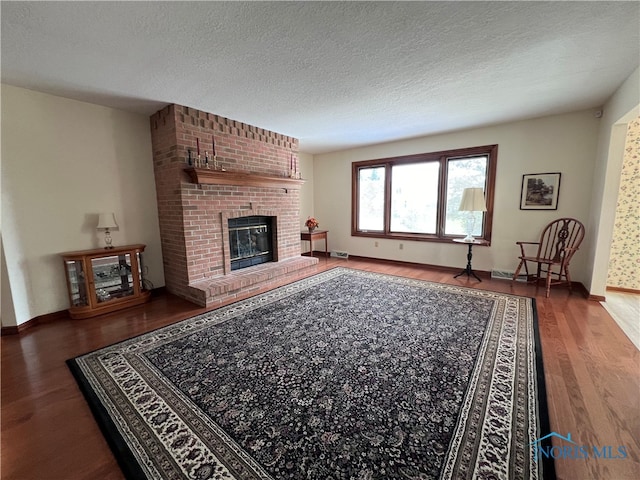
x=159, y=415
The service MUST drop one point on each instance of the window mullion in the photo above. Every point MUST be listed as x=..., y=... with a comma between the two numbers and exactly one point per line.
x=387, y=199
x=403, y=204
x=442, y=197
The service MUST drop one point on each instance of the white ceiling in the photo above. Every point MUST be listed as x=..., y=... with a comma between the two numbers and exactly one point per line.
x=333, y=74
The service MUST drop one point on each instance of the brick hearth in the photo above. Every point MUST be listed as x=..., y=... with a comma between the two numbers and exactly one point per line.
x=194, y=217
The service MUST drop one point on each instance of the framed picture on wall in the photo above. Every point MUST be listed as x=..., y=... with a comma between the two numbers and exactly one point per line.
x=540, y=191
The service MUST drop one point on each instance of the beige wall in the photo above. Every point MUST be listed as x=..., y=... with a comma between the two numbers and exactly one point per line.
x=306, y=195
x=621, y=108
x=63, y=162
x=560, y=143
x=624, y=261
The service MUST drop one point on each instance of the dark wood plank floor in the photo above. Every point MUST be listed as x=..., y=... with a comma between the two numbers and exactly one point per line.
x=591, y=368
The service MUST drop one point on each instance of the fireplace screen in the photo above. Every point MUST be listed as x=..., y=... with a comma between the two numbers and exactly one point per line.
x=250, y=241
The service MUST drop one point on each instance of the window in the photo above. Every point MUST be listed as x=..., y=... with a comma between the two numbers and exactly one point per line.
x=417, y=197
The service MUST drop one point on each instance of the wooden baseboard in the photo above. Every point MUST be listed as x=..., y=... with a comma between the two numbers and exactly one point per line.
x=576, y=286
x=54, y=316
x=13, y=330
x=622, y=290
x=39, y=320
x=602, y=298
x=442, y=268
x=316, y=253
x=596, y=298
x=158, y=292
x=581, y=289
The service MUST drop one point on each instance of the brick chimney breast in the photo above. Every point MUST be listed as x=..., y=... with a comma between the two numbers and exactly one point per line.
x=194, y=217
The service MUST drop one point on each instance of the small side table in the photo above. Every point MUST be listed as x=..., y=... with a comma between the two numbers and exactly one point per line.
x=468, y=270
x=316, y=235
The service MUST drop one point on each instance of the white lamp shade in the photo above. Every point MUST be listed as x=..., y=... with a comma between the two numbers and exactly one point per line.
x=107, y=220
x=473, y=200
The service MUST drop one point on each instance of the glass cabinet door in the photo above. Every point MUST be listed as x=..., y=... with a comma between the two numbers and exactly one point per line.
x=140, y=270
x=113, y=277
x=77, y=283
x=102, y=280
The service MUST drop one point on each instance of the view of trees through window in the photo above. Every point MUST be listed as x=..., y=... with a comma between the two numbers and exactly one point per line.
x=463, y=173
x=371, y=198
x=414, y=197
x=418, y=197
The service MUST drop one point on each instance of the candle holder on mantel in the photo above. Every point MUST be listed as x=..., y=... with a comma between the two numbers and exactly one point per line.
x=193, y=161
x=295, y=175
x=197, y=162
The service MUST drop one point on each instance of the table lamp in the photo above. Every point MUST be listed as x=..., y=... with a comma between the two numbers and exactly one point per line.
x=472, y=201
x=105, y=222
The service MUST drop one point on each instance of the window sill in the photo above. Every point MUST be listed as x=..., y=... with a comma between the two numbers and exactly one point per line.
x=417, y=237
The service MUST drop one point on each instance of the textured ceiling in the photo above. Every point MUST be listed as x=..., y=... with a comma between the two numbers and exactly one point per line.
x=333, y=74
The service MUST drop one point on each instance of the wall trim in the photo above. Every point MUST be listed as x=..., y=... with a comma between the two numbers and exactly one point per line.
x=158, y=291
x=577, y=287
x=39, y=320
x=55, y=316
x=482, y=273
x=596, y=298
x=581, y=289
x=624, y=290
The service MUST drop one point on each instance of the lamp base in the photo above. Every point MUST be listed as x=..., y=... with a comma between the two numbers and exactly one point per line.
x=471, y=222
x=108, y=240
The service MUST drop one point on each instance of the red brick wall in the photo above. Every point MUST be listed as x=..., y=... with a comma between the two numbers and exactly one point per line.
x=193, y=217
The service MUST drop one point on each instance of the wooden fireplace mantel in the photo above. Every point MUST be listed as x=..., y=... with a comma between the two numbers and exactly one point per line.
x=205, y=176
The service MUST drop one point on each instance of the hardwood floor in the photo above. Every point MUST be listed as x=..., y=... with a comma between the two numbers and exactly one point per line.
x=591, y=369
x=624, y=308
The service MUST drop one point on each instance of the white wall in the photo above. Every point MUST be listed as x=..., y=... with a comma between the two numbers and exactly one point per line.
x=63, y=162
x=622, y=107
x=306, y=195
x=560, y=143
x=624, y=258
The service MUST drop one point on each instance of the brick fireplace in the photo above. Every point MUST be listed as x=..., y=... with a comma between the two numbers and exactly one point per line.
x=250, y=178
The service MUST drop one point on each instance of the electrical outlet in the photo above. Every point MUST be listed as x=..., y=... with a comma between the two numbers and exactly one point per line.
x=375, y=244
x=401, y=246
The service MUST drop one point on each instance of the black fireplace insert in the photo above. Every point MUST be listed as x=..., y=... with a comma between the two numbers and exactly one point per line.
x=250, y=241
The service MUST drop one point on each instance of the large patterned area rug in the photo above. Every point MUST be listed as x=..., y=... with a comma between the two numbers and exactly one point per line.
x=344, y=375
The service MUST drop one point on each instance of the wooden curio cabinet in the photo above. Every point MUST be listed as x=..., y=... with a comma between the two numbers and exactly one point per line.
x=102, y=281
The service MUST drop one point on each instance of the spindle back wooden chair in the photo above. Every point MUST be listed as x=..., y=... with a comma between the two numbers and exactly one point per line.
x=558, y=243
